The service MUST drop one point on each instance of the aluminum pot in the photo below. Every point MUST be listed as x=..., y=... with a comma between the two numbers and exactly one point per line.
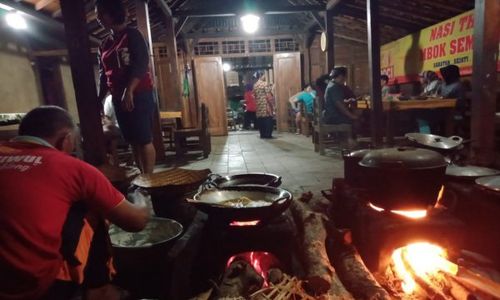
x=352, y=170
x=403, y=178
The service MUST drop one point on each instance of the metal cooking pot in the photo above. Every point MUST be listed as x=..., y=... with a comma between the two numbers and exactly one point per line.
x=490, y=183
x=352, y=171
x=468, y=173
x=403, y=178
x=210, y=201
x=266, y=179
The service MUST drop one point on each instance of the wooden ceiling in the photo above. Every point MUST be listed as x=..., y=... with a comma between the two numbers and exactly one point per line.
x=218, y=18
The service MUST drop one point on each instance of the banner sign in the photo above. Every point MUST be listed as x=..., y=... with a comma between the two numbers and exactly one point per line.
x=447, y=43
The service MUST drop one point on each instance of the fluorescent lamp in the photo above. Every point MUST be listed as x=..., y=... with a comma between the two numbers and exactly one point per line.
x=16, y=20
x=226, y=67
x=250, y=23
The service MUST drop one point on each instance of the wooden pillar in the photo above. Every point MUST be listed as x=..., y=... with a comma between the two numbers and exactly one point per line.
x=484, y=80
x=176, y=102
x=330, y=52
x=372, y=22
x=82, y=70
x=51, y=81
x=142, y=15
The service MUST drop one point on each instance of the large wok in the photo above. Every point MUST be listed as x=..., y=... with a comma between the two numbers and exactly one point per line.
x=210, y=201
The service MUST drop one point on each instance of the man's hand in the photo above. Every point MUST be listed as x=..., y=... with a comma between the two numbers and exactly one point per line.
x=128, y=101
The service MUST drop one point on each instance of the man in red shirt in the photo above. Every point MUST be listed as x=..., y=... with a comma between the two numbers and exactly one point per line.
x=40, y=185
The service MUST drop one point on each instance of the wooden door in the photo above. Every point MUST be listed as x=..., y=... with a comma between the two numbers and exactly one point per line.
x=211, y=90
x=287, y=79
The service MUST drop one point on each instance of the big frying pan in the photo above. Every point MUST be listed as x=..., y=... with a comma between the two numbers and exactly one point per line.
x=209, y=201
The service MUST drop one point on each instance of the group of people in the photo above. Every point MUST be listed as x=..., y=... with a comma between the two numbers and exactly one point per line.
x=54, y=208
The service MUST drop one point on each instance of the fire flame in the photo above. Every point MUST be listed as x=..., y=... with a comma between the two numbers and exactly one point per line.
x=423, y=260
x=412, y=214
x=244, y=223
x=262, y=262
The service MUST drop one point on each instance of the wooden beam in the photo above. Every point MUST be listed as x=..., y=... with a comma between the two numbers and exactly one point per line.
x=41, y=4
x=82, y=71
x=373, y=28
x=484, y=80
x=319, y=20
x=164, y=7
x=330, y=47
x=331, y=4
x=143, y=24
x=265, y=9
x=177, y=4
x=180, y=24
x=386, y=20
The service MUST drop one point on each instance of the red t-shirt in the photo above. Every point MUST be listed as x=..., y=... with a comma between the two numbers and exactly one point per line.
x=38, y=185
x=251, y=106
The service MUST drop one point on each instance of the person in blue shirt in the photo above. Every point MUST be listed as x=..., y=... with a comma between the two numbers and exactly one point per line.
x=306, y=98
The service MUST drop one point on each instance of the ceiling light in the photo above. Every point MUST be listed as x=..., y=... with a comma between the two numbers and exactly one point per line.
x=226, y=67
x=250, y=23
x=16, y=20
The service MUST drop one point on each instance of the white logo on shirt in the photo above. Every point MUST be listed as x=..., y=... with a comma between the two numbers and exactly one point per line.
x=21, y=163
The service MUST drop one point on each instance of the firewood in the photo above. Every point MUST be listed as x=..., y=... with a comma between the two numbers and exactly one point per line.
x=239, y=280
x=320, y=276
x=354, y=273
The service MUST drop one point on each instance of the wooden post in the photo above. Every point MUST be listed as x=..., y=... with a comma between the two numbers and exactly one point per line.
x=82, y=70
x=330, y=51
x=51, y=81
x=142, y=15
x=175, y=84
x=484, y=80
x=372, y=22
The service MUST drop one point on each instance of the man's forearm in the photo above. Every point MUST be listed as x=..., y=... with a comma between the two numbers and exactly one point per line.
x=132, y=85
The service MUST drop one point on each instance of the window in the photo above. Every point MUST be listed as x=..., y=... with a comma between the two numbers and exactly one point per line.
x=207, y=48
x=258, y=46
x=233, y=47
x=285, y=45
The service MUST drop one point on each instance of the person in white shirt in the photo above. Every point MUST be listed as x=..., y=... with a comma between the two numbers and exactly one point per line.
x=111, y=131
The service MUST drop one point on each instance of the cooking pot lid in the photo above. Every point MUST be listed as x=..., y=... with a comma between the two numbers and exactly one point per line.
x=403, y=157
x=435, y=141
x=357, y=153
x=490, y=182
x=470, y=171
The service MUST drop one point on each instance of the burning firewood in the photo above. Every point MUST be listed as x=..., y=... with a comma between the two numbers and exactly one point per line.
x=320, y=276
x=239, y=281
x=353, y=272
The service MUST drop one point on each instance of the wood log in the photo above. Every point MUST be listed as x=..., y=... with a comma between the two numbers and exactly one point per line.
x=320, y=276
x=355, y=275
x=239, y=281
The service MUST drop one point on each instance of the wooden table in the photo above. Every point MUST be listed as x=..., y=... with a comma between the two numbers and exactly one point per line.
x=168, y=125
x=394, y=106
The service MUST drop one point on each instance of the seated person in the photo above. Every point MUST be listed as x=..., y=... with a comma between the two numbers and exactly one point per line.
x=384, y=82
x=54, y=237
x=336, y=99
x=430, y=83
x=305, y=98
x=452, y=87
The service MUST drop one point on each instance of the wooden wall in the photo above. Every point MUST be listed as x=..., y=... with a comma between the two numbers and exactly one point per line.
x=350, y=54
x=19, y=85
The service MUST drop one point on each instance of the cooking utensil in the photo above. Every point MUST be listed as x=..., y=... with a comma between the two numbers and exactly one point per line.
x=491, y=183
x=468, y=173
x=266, y=179
x=352, y=170
x=435, y=142
x=403, y=178
x=210, y=201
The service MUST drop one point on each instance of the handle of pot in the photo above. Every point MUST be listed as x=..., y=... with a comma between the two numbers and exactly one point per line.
x=276, y=182
x=457, y=139
x=209, y=183
x=279, y=201
x=345, y=153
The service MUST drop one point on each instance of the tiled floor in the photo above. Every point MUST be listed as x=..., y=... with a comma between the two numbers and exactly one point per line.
x=288, y=155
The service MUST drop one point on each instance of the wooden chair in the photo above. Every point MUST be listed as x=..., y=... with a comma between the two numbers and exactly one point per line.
x=170, y=121
x=327, y=134
x=182, y=137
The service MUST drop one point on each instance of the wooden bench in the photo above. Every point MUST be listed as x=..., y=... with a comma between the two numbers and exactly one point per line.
x=183, y=143
x=327, y=135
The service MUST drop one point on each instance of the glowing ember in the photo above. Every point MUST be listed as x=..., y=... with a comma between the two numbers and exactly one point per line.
x=412, y=214
x=244, y=223
x=424, y=260
x=440, y=195
x=262, y=262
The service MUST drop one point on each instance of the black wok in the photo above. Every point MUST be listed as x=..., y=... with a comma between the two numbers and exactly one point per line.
x=266, y=179
x=210, y=202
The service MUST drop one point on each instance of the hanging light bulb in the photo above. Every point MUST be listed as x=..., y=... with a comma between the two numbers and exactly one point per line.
x=15, y=20
x=250, y=23
x=226, y=67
